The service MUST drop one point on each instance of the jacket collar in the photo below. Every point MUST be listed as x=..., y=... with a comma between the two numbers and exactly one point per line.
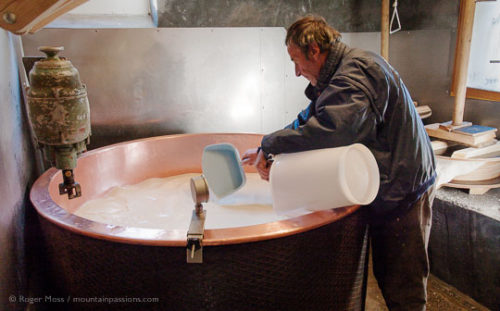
x=329, y=67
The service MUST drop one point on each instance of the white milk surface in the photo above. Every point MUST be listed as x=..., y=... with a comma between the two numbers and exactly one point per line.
x=166, y=203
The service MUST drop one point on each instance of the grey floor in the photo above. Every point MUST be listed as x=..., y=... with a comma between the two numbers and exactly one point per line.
x=440, y=297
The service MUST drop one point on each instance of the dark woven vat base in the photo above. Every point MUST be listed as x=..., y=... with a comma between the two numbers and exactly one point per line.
x=322, y=269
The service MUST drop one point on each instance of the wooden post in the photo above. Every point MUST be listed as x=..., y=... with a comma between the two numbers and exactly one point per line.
x=467, y=8
x=384, y=30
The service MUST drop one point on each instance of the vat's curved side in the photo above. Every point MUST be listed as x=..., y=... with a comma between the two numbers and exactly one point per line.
x=313, y=262
x=321, y=269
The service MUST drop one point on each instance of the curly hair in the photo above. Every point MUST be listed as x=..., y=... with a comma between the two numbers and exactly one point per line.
x=311, y=29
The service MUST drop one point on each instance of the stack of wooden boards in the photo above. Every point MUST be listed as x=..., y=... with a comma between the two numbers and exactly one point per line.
x=470, y=135
x=483, y=158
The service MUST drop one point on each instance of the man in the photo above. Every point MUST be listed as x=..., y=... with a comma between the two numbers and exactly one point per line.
x=357, y=97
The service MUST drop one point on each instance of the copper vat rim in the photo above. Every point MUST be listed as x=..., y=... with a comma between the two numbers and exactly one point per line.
x=51, y=211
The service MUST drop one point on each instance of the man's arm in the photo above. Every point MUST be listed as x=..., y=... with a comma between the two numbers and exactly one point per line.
x=343, y=115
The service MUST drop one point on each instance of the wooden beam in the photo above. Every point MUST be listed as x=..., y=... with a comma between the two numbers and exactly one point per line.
x=384, y=30
x=18, y=14
x=23, y=16
x=66, y=7
x=467, y=8
x=483, y=94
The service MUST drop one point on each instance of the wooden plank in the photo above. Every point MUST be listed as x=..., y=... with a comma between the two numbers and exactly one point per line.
x=24, y=12
x=484, y=152
x=424, y=111
x=30, y=15
x=480, y=187
x=483, y=94
x=473, y=141
x=478, y=190
x=439, y=147
x=66, y=7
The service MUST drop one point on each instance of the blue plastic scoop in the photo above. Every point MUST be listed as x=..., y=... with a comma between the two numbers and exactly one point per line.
x=222, y=169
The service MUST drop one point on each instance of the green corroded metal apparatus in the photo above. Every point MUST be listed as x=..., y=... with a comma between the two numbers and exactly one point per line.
x=59, y=114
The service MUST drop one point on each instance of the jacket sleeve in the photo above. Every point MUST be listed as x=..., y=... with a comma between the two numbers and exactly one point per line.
x=343, y=115
x=302, y=117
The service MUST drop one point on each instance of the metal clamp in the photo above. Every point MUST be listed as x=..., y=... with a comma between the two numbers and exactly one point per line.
x=194, y=248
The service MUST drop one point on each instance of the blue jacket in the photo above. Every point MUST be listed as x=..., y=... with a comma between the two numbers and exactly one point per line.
x=360, y=98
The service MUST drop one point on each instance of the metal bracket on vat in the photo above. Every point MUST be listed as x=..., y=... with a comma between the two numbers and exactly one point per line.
x=194, y=248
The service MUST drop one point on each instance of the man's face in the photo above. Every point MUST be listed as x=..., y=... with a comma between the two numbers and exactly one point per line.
x=307, y=67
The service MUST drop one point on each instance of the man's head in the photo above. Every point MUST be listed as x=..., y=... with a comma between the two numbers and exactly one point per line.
x=308, y=42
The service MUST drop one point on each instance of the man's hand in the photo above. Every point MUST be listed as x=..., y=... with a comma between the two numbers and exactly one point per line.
x=249, y=157
x=256, y=157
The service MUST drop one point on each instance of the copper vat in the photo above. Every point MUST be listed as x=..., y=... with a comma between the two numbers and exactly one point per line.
x=312, y=262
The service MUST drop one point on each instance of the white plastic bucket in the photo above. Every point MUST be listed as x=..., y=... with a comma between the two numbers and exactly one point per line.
x=324, y=179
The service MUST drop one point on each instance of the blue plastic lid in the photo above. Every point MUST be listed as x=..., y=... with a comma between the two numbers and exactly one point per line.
x=222, y=169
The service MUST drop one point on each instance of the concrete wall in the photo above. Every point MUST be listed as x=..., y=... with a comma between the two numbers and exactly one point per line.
x=15, y=173
x=464, y=246
x=345, y=15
